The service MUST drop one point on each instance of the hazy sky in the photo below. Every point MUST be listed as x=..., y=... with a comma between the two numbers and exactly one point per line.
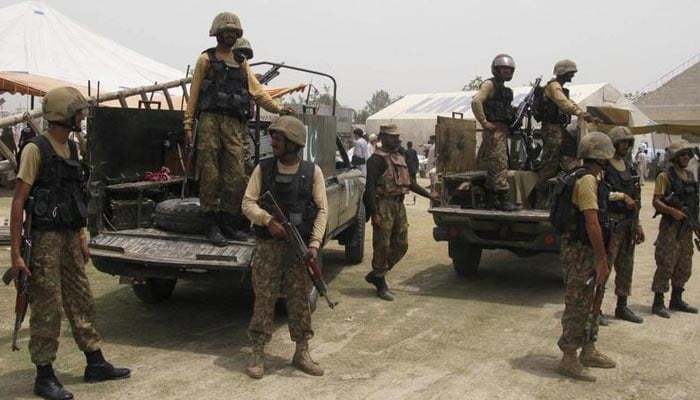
x=415, y=47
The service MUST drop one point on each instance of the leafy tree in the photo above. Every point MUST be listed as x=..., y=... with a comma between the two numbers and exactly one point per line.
x=361, y=116
x=473, y=84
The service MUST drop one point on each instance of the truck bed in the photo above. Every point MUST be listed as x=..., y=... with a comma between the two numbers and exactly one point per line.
x=521, y=215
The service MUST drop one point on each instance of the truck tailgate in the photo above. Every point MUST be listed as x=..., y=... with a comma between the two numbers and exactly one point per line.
x=454, y=213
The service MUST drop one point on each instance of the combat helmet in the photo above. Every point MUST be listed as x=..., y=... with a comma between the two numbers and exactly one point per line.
x=62, y=103
x=244, y=48
x=677, y=147
x=620, y=134
x=596, y=146
x=225, y=21
x=502, y=60
x=291, y=127
x=564, y=66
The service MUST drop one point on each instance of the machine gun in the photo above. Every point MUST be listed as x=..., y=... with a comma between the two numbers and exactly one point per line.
x=300, y=249
x=271, y=74
x=23, y=286
x=524, y=111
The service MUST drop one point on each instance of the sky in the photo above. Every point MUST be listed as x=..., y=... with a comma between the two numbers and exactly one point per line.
x=414, y=47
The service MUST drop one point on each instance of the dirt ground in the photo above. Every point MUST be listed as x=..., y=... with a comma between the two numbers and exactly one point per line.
x=490, y=337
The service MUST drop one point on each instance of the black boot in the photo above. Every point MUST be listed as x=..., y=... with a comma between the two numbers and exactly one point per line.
x=677, y=303
x=226, y=224
x=503, y=202
x=214, y=234
x=624, y=313
x=380, y=283
x=658, y=307
x=98, y=369
x=490, y=199
x=47, y=385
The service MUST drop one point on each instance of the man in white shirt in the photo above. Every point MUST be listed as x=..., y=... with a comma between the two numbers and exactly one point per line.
x=361, y=152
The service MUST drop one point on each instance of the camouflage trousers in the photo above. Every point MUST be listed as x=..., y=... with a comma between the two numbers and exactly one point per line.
x=620, y=258
x=674, y=256
x=496, y=157
x=58, y=280
x=222, y=179
x=273, y=267
x=551, y=153
x=389, y=243
x=578, y=262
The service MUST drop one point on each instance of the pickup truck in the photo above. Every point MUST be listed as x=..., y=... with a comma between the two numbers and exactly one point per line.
x=150, y=235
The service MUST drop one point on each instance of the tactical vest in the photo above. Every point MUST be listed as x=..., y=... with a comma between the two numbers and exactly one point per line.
x=60, y=192
x=626, y=181
x=498, y=107
x=551, y=113
x=396, y=180
x=686, y=191
x=294, y=195
x=225, y=89
x=577, y=225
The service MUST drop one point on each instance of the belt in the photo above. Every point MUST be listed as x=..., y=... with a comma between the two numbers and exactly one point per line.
x=397, y=199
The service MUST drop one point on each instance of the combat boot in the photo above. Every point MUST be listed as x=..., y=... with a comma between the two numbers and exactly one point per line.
x=380, y=283
x=214, y=234
x=490, y=199
x=256, y=367
x=677, y=303
x=658, y=306
x=624, y=313
x=227, y=228
x=47, y=386
x=302, y=360
x=591, y=357
x=98, y=369
x=571, y=367
x=503, y=202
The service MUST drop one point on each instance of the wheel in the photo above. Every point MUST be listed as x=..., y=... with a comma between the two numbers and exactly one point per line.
x=180, y=215
x=355, y=248
x=466, y=260
x=154, y=290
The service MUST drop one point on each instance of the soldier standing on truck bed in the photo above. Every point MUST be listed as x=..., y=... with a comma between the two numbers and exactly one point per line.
x=300, y=190
x=388, y=182
x=676, y=198
x=559, y=146
x=583, y=256
x=493, y=109
x=50, y=172
x=623, y=210
x=220, y=96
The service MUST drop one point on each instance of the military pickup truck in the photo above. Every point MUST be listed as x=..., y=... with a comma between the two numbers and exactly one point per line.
x=144, y=231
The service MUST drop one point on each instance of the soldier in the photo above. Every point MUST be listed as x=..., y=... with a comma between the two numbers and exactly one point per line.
x=583, y=256
x=50, y=172
x=242, y=50
x=625, y=197
x=559, y=146
x=300, y=190
x=492, y=108
x=220, y=98
x=387, y=184
x=676, y=198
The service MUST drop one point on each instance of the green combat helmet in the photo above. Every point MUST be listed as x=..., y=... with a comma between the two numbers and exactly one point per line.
x=243, y=47
x=677, y=147
x=225, y=21
x=291, y=127
x=61, y=104
x=564, y=67
x=620, y=134
x=596, y=146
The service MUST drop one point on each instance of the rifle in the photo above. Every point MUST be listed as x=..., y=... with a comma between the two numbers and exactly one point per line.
x=523, y=111
x=689, y=223
x=22, y=284
x=300, y=249
x=599, y=293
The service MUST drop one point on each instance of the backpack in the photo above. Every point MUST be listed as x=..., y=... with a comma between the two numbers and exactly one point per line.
x=561, y=210
x=537, y=107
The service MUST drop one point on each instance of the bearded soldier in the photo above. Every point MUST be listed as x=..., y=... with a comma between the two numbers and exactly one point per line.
x=625, y=197
x=300, y=191
x=583, y=256
x=676, y=199
x=492, y=108
x=50, y=172
x=388, y=181
x=559, y=146
x=220, y=99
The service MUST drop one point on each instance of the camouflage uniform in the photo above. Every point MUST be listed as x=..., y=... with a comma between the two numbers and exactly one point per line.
x=496, y=157
x=390, y=243
x=620, y=258
x=58, y=279
x=272, y=267
x=551, y=151
x=674, y=256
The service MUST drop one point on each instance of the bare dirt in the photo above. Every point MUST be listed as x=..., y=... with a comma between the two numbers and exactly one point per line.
x=490, y=337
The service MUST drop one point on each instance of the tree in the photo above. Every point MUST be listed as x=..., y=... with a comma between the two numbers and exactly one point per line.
x=316, y=98
x=361, y=116
x=379, y=101
x=473, y=84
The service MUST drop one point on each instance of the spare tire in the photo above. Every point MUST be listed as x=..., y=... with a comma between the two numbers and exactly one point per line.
x=180, y=215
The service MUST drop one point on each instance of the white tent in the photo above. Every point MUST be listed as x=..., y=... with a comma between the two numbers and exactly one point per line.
x=38, y=40
x=415, y=115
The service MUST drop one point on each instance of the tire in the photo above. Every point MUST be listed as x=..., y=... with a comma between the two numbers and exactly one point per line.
x=355, y=248
x=467, y=261
x=180, y=215
x=154, y=290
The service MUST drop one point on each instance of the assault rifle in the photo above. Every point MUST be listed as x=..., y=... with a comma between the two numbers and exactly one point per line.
x=632, y=223
x=599, y=293
x=524, y=111
x=300, y=249
x=689, y=223
x=22, y=284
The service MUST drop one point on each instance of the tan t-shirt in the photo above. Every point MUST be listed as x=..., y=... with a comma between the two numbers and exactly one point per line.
x=485, y=91
x=554, y=92
x=663, y=183
x=585, y=196
x=30, y=161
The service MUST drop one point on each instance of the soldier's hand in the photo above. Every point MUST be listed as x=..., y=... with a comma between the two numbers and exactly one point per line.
x=678, y=215
x=601, y=271
x=377, y=221
x=286, y=111
x=188, y=137
x=489, y=126
x=85, y=250
x=640, y=235
x=314, y=253
x=276, y=230
x=630, y=203
x=18, y=265
x=435, y=196
x=589, y=118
